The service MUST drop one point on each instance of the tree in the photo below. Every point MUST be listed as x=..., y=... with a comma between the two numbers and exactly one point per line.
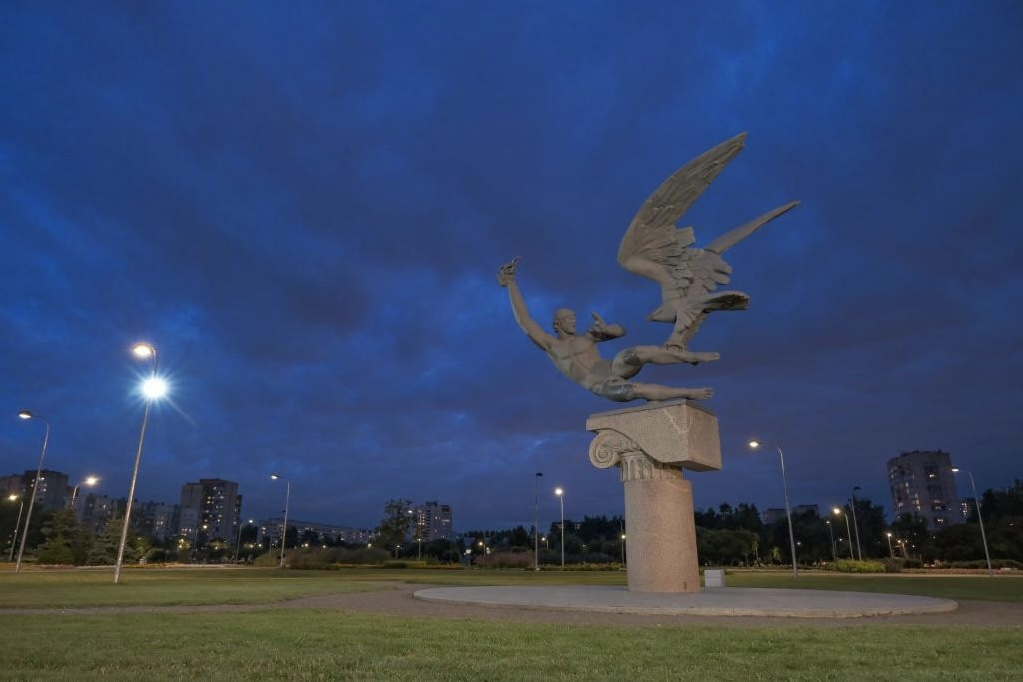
x=64, y=541
x=394, y=527
x=104, y=548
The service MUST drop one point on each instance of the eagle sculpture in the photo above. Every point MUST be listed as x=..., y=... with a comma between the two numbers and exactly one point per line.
x=689, y=277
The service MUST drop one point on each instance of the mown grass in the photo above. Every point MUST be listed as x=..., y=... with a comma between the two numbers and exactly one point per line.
x=189, y=586
x=166, y=587
x=338, y=645
x=334, y=645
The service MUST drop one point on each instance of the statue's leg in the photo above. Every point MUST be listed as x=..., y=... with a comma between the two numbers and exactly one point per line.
x=628, y=362
x=658, y=392
x=624, y=391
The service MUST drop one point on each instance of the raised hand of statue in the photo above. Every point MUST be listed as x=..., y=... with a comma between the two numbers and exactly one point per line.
x=506, y=274
x=599, y=326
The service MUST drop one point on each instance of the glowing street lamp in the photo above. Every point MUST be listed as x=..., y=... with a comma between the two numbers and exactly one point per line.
x=561, y=498
x=25, y=414
x=238, y=551
x=891, y=552
x=14, y=538
x=153, y=388
x=848, y=531
x=788, y=512
x=831, y=534
x=287, y=501
x=89, y=481
x=980, y=519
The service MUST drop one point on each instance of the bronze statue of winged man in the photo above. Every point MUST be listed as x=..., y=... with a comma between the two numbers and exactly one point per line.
x=689, y=277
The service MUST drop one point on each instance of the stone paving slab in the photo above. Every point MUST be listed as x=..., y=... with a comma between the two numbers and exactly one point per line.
x=724, y=601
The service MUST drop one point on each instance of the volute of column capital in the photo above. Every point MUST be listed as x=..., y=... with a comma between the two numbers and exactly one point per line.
x=607, y=448
x=676, y=432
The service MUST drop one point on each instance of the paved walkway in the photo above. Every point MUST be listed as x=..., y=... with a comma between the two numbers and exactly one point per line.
x=725, y=601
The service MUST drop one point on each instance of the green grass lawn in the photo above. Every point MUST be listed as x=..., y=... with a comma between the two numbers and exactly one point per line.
x=335, y=644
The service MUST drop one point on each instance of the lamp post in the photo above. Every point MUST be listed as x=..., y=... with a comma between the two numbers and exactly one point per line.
x=287, y=500
x=89, y=481
x=848, y=532
x=831, y=534
x=891, y=552
x=152, y=388
x=14, y=538
x=561, y=497
x=856, y=525
x=788, y=512
x=536, y=520
x=238, y=551
x=623, y=549
x=955, y=470
x=25, y=414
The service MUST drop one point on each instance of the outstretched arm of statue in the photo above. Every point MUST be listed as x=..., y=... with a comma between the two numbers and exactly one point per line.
x=602, y=331
x=506, y=278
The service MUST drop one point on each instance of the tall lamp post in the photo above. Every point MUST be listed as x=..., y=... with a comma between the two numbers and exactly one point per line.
x=238, y=551
x=848, y=532
x=976, y=501
x=25, y=414
x=14, y=538
x=561, y=497
x=287, y=501
x=891, y=552
x=152, y=388
x=536, y=520
x=856, y=525
x=831, y=534
x=89, y=481
x=788, y=511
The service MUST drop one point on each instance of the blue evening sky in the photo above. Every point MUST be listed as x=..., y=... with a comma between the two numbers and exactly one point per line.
x=304, y=205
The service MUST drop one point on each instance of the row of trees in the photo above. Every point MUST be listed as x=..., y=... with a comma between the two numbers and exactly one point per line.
x=736, y=535
x=726, y=536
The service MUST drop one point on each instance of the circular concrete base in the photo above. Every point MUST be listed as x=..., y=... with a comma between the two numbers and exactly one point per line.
x=722, y=601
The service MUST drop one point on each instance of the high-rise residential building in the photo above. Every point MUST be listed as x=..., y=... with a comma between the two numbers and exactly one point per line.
x=432, y=522
x=53, y=492
x=94, y=511
x=923, y=485
x=209, y=509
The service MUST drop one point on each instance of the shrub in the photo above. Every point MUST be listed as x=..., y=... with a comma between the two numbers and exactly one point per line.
x=854, y=566
x=894, y=565
x=505, y=560
x=406, y=563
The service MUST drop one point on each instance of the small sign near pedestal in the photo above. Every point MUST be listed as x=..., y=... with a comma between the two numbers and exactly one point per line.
x=651, y=445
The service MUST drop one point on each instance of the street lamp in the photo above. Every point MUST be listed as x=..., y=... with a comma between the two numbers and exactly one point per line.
x=153, y=388
x=238, y=551
x=831, y=533
x=856, y=525
x=891, y=552
x=955, y=470
x=287, y=500
x=89, y=481
x=14, y=538
x=536, y=520
x=788, y=512
x=561, y=497
x=25, y=414
x=848, y=532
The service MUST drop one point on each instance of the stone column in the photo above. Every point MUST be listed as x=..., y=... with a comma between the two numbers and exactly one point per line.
x=651, y=445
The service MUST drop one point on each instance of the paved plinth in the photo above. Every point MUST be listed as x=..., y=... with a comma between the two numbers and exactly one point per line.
x=725, y=601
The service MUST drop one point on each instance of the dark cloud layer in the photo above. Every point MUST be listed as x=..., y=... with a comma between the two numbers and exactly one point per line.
x=304, y=209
